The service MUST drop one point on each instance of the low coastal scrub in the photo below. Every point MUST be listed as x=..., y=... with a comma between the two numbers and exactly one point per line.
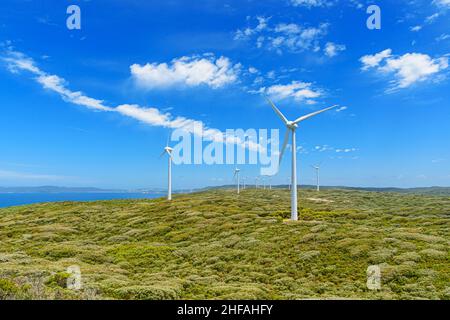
x=220, y=245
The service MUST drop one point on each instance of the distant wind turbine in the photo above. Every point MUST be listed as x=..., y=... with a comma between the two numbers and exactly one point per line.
x=236, y=175
x=256, y=182
x=317, y=168
x=291, y=128
x=169, y=150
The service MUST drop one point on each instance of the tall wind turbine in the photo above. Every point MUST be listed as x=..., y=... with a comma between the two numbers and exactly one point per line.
x=256, y=182
x=236, y=175
x=169, y=150
x=291, y=128
x=317, y=168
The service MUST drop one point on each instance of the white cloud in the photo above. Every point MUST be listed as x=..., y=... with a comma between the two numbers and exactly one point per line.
x=252, y=70
x=290, y=28
x=432, y=18
x=356, y=4
x=297, y=38
x=372, y=61
x=347, y=150
x=332, y=49
x=292, y=37
x=311, y=3
x=57, y=84
x=416, y=28
x=408, y=69
x=188, y=71
x=248, y=32
x=326, y=148
x=341, y=109
x=443, y=37
x=17, y=61
x=323, y=148
x=297, y=90
x=443, y=3
x=414, y=67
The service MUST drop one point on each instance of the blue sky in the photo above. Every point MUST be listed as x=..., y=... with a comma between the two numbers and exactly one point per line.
x=93, y=107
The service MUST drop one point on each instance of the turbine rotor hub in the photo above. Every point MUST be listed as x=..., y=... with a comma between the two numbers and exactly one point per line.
x=291, y=125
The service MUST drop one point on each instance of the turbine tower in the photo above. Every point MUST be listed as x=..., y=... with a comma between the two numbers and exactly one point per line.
x=236, y=175
x=169, y=150
x=291, y=128
x=317, y=168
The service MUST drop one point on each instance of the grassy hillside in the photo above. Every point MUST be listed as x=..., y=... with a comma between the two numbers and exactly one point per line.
x=217, y=244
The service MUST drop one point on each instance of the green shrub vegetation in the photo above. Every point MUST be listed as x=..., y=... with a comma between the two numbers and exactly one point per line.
x=220, y=245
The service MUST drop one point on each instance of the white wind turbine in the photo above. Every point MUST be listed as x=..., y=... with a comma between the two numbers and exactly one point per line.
x=292, y=126
x=236, y=175
x=169, y=150
x=317, y=168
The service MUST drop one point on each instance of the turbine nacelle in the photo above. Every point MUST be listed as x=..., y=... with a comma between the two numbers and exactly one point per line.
x=291, y=125
x=167, y=150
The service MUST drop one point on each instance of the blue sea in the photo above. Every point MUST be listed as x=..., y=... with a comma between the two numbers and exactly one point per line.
x=16, y=199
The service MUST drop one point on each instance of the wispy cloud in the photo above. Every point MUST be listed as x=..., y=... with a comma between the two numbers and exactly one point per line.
x=284, y=36
x=443, y=37
x=442, y=3
x=311, y=3
x=17, y=61
x=327, y=148
x=341, y=109
x=333, y=49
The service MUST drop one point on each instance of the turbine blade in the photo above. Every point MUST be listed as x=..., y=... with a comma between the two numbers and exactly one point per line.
x=278, y=112
x=283, y=148
x=163, y=153
x=313, y=114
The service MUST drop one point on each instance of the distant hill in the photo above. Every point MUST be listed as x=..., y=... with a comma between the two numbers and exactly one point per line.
x=436, y=191
x=440, y=191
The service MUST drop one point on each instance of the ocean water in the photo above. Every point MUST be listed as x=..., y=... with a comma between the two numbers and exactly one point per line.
x=17, y=199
